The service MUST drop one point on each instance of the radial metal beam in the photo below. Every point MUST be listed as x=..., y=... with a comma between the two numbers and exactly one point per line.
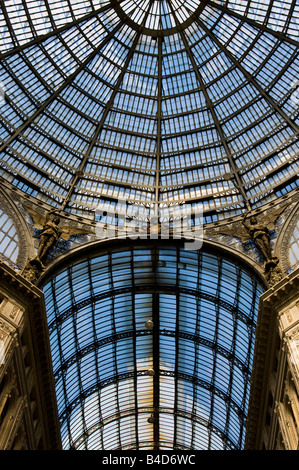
x=214, y=366
x=159, y=123
x=156, y=367
x=238, y=180
x=135, y=352
x=57, y=92
x=55, y=32
x=291, y=11
x=108, y=106
x=249, y=77
x=260, y=26
x=158, y=32
x=177, y=354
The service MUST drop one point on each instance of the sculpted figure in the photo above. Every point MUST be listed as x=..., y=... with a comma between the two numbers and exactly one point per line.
x=51, y=232
x=258, y=230
x=260, y=234
x=49, y=236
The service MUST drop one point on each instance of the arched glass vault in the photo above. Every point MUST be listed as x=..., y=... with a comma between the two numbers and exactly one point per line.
x=152, y=346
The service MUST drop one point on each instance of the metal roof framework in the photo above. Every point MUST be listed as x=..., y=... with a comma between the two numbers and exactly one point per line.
x=154, y=103
x=151, y=350
x=150, y=102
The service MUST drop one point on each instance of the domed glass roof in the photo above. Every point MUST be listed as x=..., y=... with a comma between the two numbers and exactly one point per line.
x=150, y=101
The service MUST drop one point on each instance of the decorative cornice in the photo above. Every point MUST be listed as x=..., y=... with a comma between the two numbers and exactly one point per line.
x=284, y=238
x=24, y=292
x=24, y=242
x=271, y=302
x=283, y=292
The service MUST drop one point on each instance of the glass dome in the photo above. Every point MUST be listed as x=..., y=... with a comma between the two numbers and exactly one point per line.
x=150, y=101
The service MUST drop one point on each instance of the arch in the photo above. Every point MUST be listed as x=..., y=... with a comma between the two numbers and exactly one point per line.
x=196, y=358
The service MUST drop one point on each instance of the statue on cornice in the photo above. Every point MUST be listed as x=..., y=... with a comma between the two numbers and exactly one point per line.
x=273, y=272
x=51, y=233
x=49, y=236
x=249, y=228
x=260, y=235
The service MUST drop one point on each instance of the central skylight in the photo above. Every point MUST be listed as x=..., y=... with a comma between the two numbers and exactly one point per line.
x=159, y=15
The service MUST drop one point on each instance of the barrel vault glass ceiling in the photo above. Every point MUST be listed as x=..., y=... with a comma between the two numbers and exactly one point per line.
x=152, y=348
x=150, y=101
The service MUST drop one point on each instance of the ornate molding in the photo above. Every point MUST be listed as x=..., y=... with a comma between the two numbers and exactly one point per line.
x=17, y=289
x=11, y=210
x=274, y=300
x=283, y=241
